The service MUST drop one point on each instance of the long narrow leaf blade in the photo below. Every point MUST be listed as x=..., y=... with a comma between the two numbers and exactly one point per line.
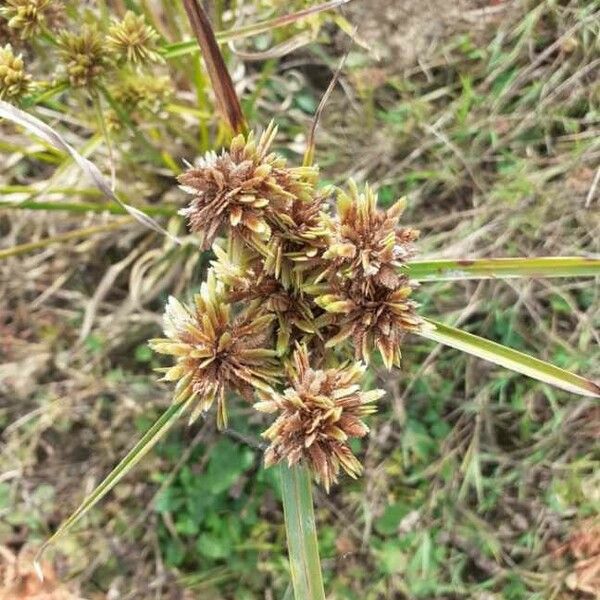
x=50, y=136
x=303, y=549
x=220, y=79
x=143, y=446
x=509, y=358
x=503, y=268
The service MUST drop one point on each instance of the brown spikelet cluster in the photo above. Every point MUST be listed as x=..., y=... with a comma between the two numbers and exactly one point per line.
x=28, y=17
x=133, y=40
x=290, y=274
x=216, y=351
x=367, y=243
x=243, y=273
x=246, y=189
x=363, y=288
x=377, y=321
x=85, y=55
x=317, y=415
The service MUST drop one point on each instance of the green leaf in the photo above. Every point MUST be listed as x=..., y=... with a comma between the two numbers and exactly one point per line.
x=509, y=358
x=503, y=268
x=144, y=445
x=212, y=546
x=301, y=532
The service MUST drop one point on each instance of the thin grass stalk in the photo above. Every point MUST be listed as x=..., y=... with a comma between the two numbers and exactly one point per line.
x=301, y=531
x=63, y=237
x=84, y=207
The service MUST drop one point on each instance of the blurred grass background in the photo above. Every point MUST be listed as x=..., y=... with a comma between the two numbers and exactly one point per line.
x=479, y=483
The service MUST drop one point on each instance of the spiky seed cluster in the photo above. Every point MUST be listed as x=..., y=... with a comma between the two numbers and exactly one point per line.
x=317, y=416
x=143, y=92
x=375, y=321
x=243, y=273
x=296, y=246
x=14, y=81
x=362, y=287
x=367, y=244
x=246, y=189
x=28, y=17
x=85, y=55
x=133, y=39
x=216, y=351
x=302, y=278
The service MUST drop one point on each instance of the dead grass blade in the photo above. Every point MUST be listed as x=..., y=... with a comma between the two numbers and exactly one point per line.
x=309, y=155
x=45, y=132
x=227, y=99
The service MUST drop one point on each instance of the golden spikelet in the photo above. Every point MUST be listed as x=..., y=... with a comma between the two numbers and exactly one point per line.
x=29, y=17
x=317, y=416
x=246, y=189
x=133, y=39
x=216, y=351
x=85, y=55
x=14, y=81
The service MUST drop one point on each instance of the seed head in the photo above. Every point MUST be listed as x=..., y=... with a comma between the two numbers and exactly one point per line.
x=377, y=320
x=246, y=189
x=85, y=55
x=143, y=92
x=29, y=16
x=14, y=82
x=243, y=273
x=298, y=242
x=317, y=416
x=133, y=39
x=216, y=350
x=367, y=244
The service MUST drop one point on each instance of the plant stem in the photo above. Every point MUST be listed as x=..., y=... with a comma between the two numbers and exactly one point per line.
x=63, y=237
x=83, y=207
x=301, y=532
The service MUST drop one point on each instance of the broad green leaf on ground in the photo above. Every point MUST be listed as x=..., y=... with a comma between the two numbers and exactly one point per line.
x=509, y=358
x=145, y=444
x=503, y=268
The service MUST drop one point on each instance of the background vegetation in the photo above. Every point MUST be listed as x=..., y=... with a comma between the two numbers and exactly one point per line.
x=479, y=483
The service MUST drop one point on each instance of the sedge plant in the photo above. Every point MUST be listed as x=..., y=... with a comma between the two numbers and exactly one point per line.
x=308, y=283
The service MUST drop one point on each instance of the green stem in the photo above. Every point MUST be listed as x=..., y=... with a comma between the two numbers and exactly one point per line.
x=83, y=207
x=63, y=237
x=503, y=268
x=301, y=532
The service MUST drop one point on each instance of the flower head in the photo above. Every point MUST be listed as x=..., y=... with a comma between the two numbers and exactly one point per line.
x=378, y=320
x=29, y=16
x=246, y=189
x=143, y=92
x=85, y=55
x=317, y=415
x=367, y=243
x=216, y=351
x=298, y=242
x=14, y=81
x=246, y=280
x=134, y=39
